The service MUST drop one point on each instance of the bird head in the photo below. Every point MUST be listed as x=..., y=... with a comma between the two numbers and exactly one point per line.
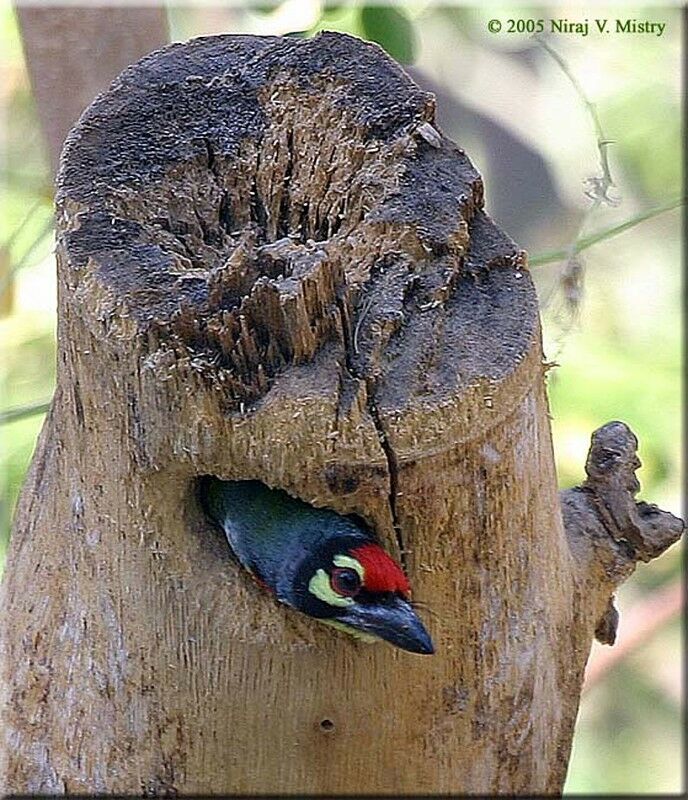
x=326, y=565
x=357, y=587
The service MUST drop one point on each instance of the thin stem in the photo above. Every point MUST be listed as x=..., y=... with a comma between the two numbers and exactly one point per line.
x=16, y=233
x=602, y=141
x=551, y=256
x=571, y=274
x=9, y=276
x=22, y=412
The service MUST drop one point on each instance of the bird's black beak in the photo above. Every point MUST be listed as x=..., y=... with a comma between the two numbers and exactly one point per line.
x=393, y=620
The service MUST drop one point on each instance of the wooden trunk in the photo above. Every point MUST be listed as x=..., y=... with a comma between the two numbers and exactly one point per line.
x=273, y=266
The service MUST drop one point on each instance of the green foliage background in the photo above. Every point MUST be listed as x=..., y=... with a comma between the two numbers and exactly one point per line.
x=619, y=355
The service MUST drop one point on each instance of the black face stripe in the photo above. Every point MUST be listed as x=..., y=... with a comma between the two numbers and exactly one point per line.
x=364, y=597
x=323, y=559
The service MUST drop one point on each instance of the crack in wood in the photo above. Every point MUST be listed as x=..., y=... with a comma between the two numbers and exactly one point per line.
x=393, y=475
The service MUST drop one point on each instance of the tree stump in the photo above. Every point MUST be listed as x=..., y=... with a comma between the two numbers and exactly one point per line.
x=273, y=266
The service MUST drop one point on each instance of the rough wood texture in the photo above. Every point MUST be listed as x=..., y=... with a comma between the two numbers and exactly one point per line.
x=273, y=266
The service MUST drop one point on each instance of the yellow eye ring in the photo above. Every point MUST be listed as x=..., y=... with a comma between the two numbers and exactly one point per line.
x=319, y=585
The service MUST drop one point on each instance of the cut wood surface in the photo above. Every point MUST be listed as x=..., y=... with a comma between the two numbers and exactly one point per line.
x=272, y=265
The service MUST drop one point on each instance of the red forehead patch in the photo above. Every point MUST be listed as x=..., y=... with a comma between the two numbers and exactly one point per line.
x=381, y=572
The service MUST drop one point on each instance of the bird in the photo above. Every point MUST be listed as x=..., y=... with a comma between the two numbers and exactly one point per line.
x=326, y=565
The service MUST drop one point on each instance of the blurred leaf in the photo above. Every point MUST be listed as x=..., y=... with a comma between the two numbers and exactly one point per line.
x=7, y=290
x=649, y=118
x=344, y=18
x=333, y=10
x=391, y=29
x=265, y=7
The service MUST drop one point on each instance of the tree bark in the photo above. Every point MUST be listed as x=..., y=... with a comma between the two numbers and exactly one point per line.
x=273, y=266
x=73, y=53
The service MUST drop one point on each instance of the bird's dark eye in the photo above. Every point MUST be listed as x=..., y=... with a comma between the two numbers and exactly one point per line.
x=345, y=581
